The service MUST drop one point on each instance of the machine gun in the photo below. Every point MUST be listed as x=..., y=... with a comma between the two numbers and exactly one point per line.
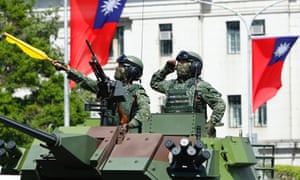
x=110, y=93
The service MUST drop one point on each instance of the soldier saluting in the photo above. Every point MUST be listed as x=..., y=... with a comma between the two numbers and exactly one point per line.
x=188, y=92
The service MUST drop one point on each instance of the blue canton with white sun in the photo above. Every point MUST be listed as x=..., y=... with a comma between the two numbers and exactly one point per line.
x=108, y=11
x=282, y=48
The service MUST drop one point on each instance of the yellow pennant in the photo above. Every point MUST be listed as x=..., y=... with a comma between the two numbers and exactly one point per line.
x=26, y=48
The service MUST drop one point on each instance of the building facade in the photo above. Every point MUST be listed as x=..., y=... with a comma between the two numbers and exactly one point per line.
x=219, y=30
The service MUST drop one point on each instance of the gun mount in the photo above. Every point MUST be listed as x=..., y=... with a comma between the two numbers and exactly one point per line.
x=110, y=92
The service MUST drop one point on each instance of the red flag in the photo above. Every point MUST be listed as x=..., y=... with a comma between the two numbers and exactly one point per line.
x=268, y=55
x=95, y=21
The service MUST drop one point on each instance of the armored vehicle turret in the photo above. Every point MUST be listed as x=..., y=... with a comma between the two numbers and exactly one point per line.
x=171, y=146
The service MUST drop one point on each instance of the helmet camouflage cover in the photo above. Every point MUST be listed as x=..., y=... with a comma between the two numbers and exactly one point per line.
x=133, y=68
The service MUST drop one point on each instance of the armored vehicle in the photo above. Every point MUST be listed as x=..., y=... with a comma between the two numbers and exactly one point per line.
x=168, y=146
x=171, y=146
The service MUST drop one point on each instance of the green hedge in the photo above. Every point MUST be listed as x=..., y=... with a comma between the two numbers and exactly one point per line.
x=285, y=172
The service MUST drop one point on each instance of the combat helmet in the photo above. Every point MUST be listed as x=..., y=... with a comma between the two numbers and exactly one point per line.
x=194, y=58
x=134, y=67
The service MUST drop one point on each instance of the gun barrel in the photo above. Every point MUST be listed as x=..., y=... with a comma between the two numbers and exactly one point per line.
x=95, y=64
x=99, y=73
x=47, y=138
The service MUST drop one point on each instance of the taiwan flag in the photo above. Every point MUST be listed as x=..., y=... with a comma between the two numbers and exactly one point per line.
x=95, y=21
x=268, y=55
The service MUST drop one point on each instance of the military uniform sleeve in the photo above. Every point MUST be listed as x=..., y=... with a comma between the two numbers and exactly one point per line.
x=214, y=100
x=143, y=108
x=83, y=81
x=158, y=81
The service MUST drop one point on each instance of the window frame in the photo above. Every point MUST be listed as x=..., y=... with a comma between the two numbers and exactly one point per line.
x=234, y=111
x=258, y=23
x=260, y=116
x=165, y=40
x=117, y=43
x=233, y=37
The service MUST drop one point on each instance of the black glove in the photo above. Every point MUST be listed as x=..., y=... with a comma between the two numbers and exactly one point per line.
x=125, y=127
x=211, y=131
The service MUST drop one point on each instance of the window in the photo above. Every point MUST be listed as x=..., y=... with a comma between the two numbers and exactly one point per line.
x=117, y=44
x=233, y=37
x=235, y=111
x=165, y=39
x=258, y=27
x=260, y=116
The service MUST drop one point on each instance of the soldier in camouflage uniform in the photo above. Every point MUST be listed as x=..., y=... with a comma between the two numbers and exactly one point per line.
x=189, y=93
x=136, y=107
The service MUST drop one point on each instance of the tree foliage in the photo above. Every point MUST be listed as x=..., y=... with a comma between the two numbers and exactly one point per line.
x=42, y=101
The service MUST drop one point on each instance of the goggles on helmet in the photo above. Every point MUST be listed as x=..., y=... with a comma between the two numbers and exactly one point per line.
x=185, y=56
x=122, y=59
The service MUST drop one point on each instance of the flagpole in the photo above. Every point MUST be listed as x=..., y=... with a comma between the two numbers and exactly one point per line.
x=250, y=108
x=248, y=59
x=249, y=53
x=66, y=61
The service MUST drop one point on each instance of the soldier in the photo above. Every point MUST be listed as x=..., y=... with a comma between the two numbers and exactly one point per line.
x=136, y=107
x=189, y=92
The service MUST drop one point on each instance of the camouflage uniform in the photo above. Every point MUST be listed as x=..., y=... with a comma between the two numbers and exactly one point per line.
x=136, y=106
x=188, y=95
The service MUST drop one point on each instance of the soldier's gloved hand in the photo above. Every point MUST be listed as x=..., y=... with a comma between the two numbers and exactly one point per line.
x=170, y=66
x=210, y=129
x=60, y=65
x=125, y=127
